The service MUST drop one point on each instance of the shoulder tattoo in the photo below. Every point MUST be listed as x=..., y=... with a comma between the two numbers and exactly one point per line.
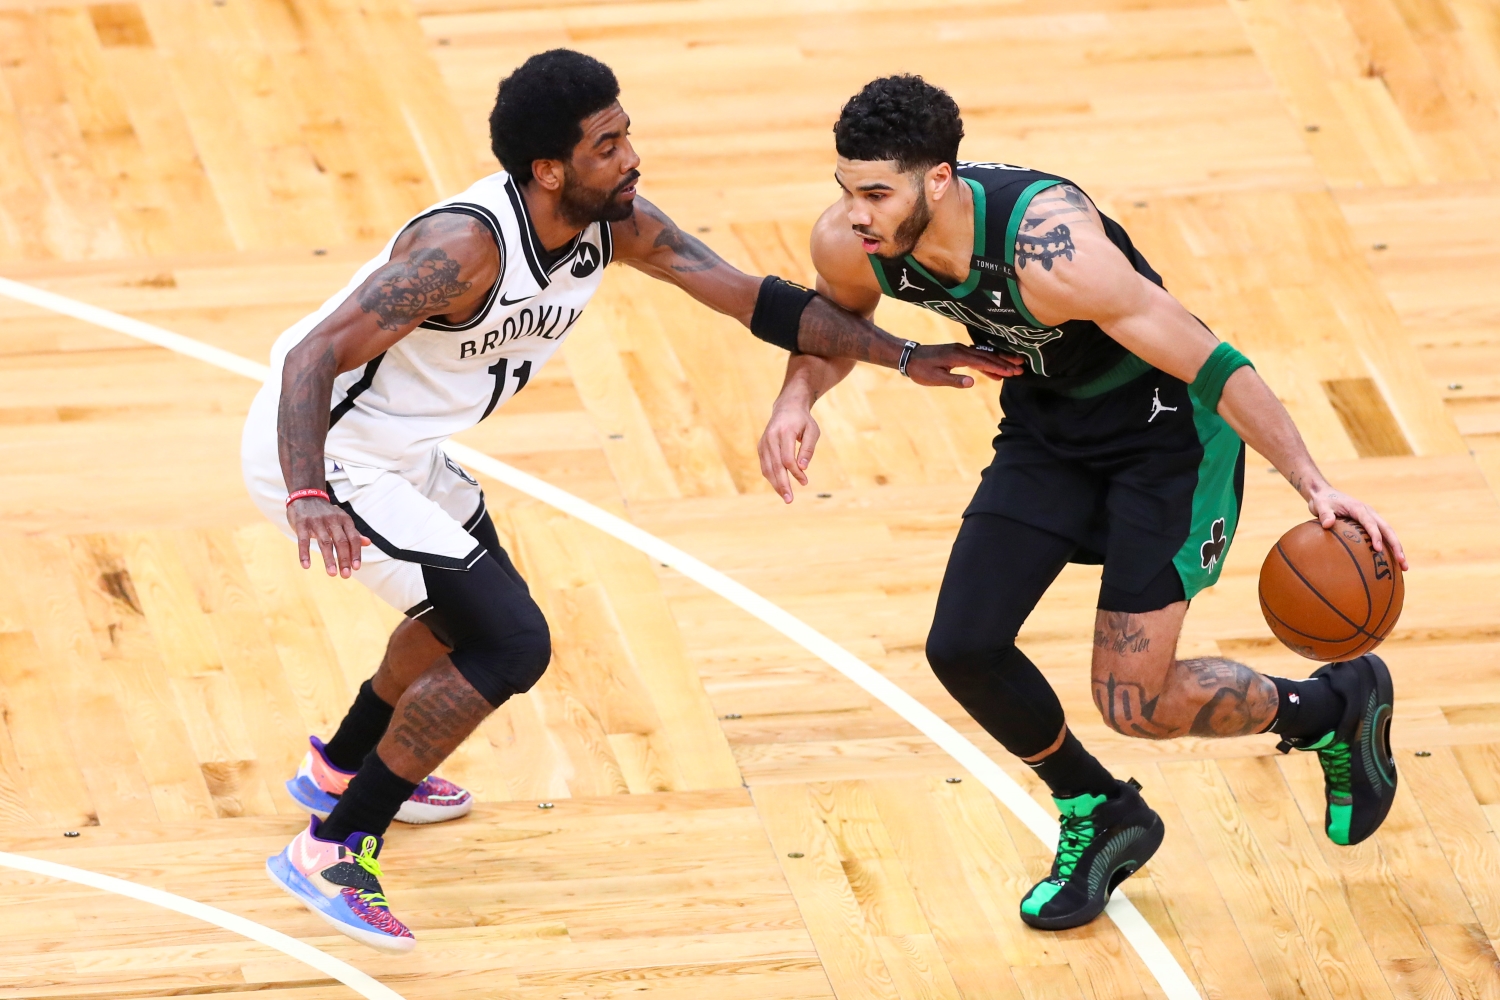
x=423, y=285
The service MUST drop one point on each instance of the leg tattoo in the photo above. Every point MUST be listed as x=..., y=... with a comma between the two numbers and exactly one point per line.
x=1240, y=701
x=437, y=712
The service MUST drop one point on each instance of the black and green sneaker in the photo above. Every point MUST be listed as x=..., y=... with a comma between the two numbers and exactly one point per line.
x=1104, y=841
x=1359, y=771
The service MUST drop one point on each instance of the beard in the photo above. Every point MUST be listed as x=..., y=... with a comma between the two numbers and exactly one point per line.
x=581, y=205
x=911, y=229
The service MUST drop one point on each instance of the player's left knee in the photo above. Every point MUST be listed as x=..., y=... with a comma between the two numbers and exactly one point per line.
x=499, y=637
x=501, y=663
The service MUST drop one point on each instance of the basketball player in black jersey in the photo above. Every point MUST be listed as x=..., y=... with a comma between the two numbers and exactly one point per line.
x=1121, y=444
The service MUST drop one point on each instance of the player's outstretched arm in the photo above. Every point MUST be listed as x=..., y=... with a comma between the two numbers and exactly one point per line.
x=1067, y=268
x=779, y=312
x=441, y=266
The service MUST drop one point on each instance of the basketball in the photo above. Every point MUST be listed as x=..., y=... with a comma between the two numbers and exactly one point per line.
x=1329, y=595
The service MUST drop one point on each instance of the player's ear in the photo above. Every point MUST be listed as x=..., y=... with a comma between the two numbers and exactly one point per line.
x=938, y=180
x=548, y=174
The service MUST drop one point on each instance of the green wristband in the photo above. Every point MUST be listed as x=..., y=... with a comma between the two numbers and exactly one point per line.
x=1208, y=385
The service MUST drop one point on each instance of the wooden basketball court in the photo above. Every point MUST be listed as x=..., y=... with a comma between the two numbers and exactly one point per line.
x=689, y=804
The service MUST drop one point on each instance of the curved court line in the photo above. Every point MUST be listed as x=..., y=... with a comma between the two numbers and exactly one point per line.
x=1135, y=928
x=345, y=973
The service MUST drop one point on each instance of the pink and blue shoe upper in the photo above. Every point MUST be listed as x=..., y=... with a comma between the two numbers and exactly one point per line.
x=340, y=882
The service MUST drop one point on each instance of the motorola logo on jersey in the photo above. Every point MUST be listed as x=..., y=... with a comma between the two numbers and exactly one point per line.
x=586, y=262
x=547, y=322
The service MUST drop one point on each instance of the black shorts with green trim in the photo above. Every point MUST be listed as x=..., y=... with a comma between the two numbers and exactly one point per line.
x=1140, y=477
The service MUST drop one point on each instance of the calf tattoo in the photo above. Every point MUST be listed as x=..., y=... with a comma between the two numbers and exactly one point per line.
x=406, y=291
x=1211, y=697
x=433, y=717
x=1240, y=701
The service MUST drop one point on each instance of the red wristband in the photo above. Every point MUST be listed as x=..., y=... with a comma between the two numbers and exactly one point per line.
x=304, y=494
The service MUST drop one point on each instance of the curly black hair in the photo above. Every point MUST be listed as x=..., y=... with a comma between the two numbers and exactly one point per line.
x=902, y=118
x=540, y=108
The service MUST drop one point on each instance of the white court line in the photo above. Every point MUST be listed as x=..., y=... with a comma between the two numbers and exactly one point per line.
x=1152, y=950
x=302, y=952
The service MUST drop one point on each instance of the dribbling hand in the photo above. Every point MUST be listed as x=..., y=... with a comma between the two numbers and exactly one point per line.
x=1329, y=504
x=314, y=518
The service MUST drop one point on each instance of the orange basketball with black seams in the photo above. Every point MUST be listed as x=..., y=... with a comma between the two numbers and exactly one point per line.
x=1328, y=594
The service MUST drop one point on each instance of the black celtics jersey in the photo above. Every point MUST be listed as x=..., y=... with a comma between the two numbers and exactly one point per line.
x=1065, y=358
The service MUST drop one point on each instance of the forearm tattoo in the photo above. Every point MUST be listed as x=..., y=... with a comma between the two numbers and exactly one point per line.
x=302, y=419
x=831, y=332
x=435, y=715
x=423, y=285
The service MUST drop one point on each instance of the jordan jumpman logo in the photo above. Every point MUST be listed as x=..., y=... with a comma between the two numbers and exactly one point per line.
x=1157, y=408
x=906, y=283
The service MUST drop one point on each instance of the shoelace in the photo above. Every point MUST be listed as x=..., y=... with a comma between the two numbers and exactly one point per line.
x=1077, y=835
x=366, y=860
x=1337, y=764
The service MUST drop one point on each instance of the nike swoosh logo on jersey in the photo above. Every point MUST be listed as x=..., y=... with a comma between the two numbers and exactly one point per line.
x=512, y=302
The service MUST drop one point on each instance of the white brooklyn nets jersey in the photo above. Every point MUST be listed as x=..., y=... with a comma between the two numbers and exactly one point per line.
x=440, y=379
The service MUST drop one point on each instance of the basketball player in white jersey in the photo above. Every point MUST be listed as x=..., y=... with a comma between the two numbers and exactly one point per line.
x=343, y=446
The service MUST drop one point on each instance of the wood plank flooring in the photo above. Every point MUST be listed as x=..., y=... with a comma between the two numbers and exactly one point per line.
x=1318, y=179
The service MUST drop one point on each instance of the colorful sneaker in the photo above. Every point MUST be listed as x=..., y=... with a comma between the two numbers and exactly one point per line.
x=1359, y=770
x=341, y=884
x=319, y=784
x=1103, y=842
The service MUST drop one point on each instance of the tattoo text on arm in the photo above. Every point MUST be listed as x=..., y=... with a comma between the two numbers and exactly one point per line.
x=423, y=285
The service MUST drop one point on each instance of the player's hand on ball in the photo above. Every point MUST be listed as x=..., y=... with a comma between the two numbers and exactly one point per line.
x=315, y=519
x=786, y=447
x=933, y=364
x=1329, y=504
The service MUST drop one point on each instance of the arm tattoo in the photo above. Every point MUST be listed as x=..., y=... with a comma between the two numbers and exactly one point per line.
x=1046, y=248
x=1058, y=202
x=830, y=332
x=407, y=291
x=435, y=715
x=302, y=420
x=689, y=253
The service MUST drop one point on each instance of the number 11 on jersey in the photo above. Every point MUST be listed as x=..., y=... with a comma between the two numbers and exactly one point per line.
x=498, y=369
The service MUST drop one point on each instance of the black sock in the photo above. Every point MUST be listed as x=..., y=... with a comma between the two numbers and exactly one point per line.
x=1307, y=708
x=369, y=804
x=361, y=729
x=1071, y=770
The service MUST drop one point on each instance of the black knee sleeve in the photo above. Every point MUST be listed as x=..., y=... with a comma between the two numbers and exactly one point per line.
x=499, y=639
x=1002, y=689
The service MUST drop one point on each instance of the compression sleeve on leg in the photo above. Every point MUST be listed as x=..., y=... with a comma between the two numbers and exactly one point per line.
x=1208, y=385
